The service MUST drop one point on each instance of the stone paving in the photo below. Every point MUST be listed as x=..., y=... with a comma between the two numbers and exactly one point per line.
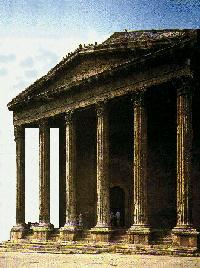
x=43, y=260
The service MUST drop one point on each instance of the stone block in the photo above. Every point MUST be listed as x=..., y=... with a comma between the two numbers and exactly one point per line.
x=184, y=238
x=42, y=233
x=101, y=234
x=18, y=232
x=139, y=236
x=70, y=234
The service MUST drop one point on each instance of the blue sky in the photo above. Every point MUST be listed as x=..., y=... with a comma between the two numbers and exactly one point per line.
x=34, y=36
x=44, y=17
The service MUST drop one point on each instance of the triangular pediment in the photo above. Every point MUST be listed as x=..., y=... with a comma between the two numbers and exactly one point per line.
x=88, y=61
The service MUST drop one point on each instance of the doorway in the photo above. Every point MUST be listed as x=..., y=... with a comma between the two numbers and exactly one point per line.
x=117, y=206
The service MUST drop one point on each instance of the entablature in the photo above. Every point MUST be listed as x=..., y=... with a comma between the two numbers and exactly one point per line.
x=92, y=93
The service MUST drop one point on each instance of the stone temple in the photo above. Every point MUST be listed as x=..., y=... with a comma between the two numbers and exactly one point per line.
x=129, y=142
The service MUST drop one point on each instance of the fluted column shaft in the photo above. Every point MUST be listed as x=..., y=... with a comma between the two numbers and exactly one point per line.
x=70, y=170
x=103, y=201
x=62, y=175
x=44, y=173
x=140, y=217
x=184, y=151
x=19, y=132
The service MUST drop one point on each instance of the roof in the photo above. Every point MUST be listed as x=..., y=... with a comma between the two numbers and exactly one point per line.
x=149, y=36
x=147, y=39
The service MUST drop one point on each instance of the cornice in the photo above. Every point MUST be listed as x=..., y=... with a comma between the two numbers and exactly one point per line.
x=33, y=115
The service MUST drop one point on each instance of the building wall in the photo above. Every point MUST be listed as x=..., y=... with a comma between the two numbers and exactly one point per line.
x=86, y=166
x=161, y=112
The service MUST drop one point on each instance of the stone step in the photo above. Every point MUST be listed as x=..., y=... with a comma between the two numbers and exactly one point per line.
x=95, y=249
x=163, y=237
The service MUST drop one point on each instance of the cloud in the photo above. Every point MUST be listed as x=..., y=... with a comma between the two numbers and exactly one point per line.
x=21, y=85
x=47, y=57
x=7, y=58
x=3, y=71
x=27, y=62
x=31, y=73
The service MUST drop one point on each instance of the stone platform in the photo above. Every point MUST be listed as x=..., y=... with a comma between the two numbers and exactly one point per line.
x=82, y=247
x=161, y=243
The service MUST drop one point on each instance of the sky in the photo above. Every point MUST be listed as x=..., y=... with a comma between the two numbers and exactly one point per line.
x=34, y=36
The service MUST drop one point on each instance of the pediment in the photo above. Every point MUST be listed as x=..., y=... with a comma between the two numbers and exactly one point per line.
x=89, y=61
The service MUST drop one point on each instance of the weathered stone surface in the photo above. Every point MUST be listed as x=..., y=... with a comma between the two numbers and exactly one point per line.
x=103, y=202
x=44, y=172
x=18, y=231
x=184, y=234
x=109, y=87
x=71, y=215
x=105, y=167
x=20, y=163
x=62, y=174
x=139, y=231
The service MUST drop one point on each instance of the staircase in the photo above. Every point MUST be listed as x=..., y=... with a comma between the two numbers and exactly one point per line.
x=119, y=235
x=162, y=237
x=86, y=235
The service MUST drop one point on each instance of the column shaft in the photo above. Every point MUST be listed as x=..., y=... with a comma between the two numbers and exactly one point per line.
x=62, y=175
x=140, y=217
x=19, y=132
x=184, y=234
x=184, y=148
x=44, y=172
x=70, y=171
x=103, y=201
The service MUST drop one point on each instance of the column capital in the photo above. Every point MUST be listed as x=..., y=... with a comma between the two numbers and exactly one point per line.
x=44, y=123
x=68, y=117
x=138, y=98
x=184, y=85
x=101, y=107
x=185, y=90
x=19, y=132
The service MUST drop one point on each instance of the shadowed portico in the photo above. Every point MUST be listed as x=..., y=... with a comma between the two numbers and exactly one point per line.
x=124, y=112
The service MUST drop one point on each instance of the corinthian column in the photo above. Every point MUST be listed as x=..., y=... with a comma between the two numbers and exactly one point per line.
x=19, y=132
x=140, y=227
x=44, y=173
x=184, y=148
x=43, y=230
x=103, y=202
x=184, y=229
x=18, y=230
x=71, y=229
x=70, y=172
x=62, y=174
x=101, y=232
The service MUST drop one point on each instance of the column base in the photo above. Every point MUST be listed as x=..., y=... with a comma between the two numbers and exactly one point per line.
x=18, y=232
x=139, y=235
x=184, y=237
x=70, y=233
x=43, y=231
x=101, y=234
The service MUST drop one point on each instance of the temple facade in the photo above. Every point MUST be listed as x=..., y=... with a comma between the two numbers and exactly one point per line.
x=129, y=142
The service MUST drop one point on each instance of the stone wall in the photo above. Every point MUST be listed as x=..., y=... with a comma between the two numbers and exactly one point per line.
x=161, y=111
x=86, y=166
